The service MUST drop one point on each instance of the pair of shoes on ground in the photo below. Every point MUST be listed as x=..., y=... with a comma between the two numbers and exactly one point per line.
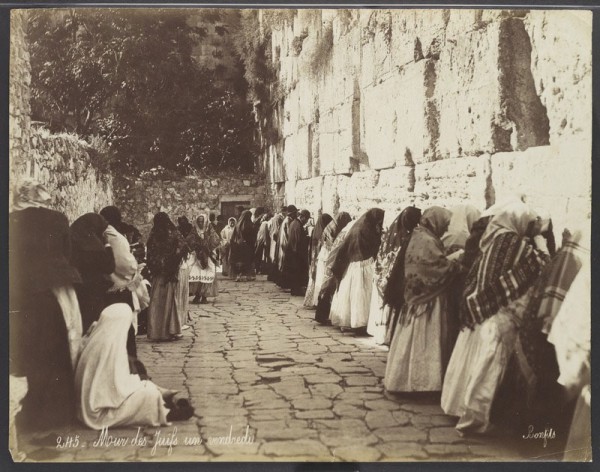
x=199, y=300
x=179, y=410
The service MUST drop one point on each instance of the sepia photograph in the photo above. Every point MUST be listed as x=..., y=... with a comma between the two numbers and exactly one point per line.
x=299, y=235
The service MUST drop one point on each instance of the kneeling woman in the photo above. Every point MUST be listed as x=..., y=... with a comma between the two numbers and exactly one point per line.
x=109, y=395
x=420, y=347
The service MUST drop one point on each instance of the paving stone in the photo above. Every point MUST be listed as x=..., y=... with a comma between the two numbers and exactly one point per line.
x=303, y=447
x=315, y=414
x=356, y=380
x=322, y=378
x=381, y=405
x=340, y=438
x=285, y=433
x=457, y=451
x=326, y=390
x=356, y=454
x=311, y=403
x=348, y=410
x=402, y=450
x=400, y=433
x=380, y=419
x=447, y=435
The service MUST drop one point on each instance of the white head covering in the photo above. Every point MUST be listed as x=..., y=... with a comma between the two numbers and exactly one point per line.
x=512, y=217
x=463, y=217
x=109, y=394
x=501, y=205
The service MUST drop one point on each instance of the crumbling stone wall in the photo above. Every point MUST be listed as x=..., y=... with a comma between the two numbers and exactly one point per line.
x=432, y=107
x=63, y=163
x=139, y=199
x=18, y=107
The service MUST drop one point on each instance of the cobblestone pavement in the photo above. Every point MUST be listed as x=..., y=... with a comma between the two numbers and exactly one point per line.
x=269, y=384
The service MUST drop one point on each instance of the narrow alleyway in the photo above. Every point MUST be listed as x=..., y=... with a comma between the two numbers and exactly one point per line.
x=260, y=371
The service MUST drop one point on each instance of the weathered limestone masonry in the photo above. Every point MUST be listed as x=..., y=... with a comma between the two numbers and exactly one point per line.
x=63, y=162
x=388, y=107
x=141, y=198
x=18, y=107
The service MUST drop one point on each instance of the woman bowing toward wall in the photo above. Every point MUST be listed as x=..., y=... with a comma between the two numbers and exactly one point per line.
x=419, y=350
x=353, y=267
x=494, y=300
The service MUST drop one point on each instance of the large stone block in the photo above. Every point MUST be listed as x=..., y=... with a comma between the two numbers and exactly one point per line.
x=450, y=182
x=308, y=194
x=394, y=189
x=417, y=34
x=561, y=65
x=393, y=119
x=466, y=89
x=556, y=179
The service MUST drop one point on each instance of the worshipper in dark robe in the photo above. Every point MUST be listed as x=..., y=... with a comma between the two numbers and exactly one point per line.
x=495, y=297
x=274, y=229
x=113, y=216
x=241, y=253
x=534, y=371
x=420, y=348
x=258, y=216
x=353, y=267
x=221, y=223
x=44, y=319
x=166, y=250
x=296, y=258
x=381, y=313
x=97, y=263
x=263, y=242
x=282, y=243
x=93, y=258
x=325, y=284
x=315, y=243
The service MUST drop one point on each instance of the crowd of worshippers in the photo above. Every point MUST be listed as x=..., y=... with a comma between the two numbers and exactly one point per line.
x=480, y=306
x=76, y=292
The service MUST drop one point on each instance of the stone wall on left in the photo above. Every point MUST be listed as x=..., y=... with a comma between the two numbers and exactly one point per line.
x=63, y=163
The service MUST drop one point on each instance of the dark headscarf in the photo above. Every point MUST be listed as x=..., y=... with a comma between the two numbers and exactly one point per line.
x=362, y=242
x=403, y=226
x=166, y=247
x=184, y=226
x=90, y=256
x=332, y=230
x=87, y=232
x=112, y=215
x=39, y=252
x=315, y=241
x=244, y=229
x=322, y=223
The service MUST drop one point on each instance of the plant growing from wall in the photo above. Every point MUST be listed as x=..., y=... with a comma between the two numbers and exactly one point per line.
x=322, y=52
x=298, y=41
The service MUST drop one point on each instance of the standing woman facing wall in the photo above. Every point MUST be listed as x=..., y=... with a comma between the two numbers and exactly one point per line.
x=166, y=251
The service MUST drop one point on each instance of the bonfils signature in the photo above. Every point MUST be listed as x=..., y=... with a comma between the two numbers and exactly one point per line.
x=548, y=433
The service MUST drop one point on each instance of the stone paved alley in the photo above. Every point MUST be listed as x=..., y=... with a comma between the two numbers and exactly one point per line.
x=255, y=363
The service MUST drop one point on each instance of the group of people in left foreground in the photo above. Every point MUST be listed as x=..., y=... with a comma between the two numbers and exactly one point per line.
x=480, y=306
x=75, y=294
